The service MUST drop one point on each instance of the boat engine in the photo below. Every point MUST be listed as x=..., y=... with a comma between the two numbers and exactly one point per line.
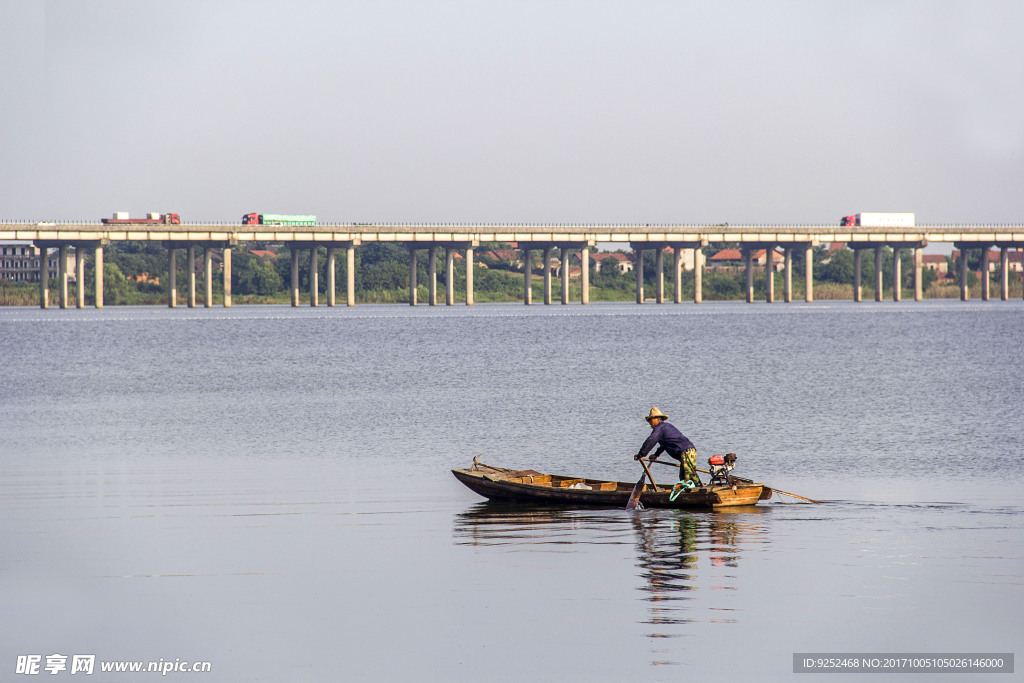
x=720, y=466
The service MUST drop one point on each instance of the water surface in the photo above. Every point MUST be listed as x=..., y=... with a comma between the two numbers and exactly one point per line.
x=268, y=488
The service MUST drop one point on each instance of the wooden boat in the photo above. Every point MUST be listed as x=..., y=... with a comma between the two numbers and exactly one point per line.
x=530, y=486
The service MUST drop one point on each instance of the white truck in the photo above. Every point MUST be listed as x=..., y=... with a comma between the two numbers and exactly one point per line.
x=879, y=220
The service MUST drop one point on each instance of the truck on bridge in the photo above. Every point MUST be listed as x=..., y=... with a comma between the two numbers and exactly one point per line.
x=879, y=220
x=276, y=219
x=122, y=218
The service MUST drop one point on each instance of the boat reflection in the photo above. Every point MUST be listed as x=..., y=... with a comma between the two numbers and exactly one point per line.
x=675, y=547
x=683, y=556
x=496, y=523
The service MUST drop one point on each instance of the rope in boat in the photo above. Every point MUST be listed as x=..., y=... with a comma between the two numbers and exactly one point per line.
x=680, y=486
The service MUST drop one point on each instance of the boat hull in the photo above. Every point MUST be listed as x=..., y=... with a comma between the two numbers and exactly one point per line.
x=528, y=486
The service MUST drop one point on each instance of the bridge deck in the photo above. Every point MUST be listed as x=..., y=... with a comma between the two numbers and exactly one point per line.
x=641, y=237
x=474, y=234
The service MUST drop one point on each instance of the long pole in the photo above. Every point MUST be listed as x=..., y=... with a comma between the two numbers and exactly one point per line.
x=748, y=481
x=644, y=463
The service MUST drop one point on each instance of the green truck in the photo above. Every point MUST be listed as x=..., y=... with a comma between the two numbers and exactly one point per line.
x=276, y=219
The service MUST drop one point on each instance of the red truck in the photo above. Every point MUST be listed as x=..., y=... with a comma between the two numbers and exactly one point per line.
x=878, y=220
x=121, y=218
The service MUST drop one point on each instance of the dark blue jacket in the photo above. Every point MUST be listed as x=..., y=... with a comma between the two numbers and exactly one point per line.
x=669, y=439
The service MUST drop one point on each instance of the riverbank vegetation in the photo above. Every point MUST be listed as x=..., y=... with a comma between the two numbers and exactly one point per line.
x=135, y=273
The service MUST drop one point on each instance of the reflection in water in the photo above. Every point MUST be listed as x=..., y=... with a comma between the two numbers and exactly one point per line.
x=674, y=548
x=493, y=523
x=669, y=549
x=667, y=554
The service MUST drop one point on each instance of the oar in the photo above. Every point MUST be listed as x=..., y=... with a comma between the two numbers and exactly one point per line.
x=648, y=472
x=634, y=498
x=787, y=493
x=747, y=481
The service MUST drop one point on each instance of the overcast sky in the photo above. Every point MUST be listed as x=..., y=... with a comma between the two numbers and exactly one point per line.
x=513, y=111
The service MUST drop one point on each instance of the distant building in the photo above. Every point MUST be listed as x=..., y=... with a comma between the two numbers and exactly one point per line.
x=733, y=258
x=509, y=257
x=19, y=262
x=624, y=262
x=936, y=262
x=685, y=255
x=1014, y=259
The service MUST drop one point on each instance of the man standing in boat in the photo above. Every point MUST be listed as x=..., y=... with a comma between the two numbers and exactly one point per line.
x=670, y=440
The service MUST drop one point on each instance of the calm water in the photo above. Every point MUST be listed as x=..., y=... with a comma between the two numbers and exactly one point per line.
x=268, y=488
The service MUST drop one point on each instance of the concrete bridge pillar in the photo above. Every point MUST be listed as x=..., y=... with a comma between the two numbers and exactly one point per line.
x=62, y=273
x=563, y=270
x=965, y=293
x=918, y=280
x=878, y=272
x=331, y=278
x=295, y=276
x=638, y=268
x=227, y=277
x=897, y=274
x=527, y=277
x=787, y=283
x=857, y=292
x=547, y=274
x=172, y=277
x=44, y=278
x=191, y=275
x=659, y=266
x=449, y=276
x=1004, y=273
x=809, y=274
x=432, y=275
x=677, y=268
x=350, y=276
x=748, y=268
x=412, y=276
x=208, y=276
x=469, y=276
x=314, y=276
x=98, y=264
x=698, y=275
x=984, y=273
x=585, y=275
x=80, y=276
x=769, y=273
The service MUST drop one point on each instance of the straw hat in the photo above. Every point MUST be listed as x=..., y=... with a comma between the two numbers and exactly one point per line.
x=656, y=412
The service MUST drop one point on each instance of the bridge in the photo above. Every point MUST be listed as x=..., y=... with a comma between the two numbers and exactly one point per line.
x=794, y=240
